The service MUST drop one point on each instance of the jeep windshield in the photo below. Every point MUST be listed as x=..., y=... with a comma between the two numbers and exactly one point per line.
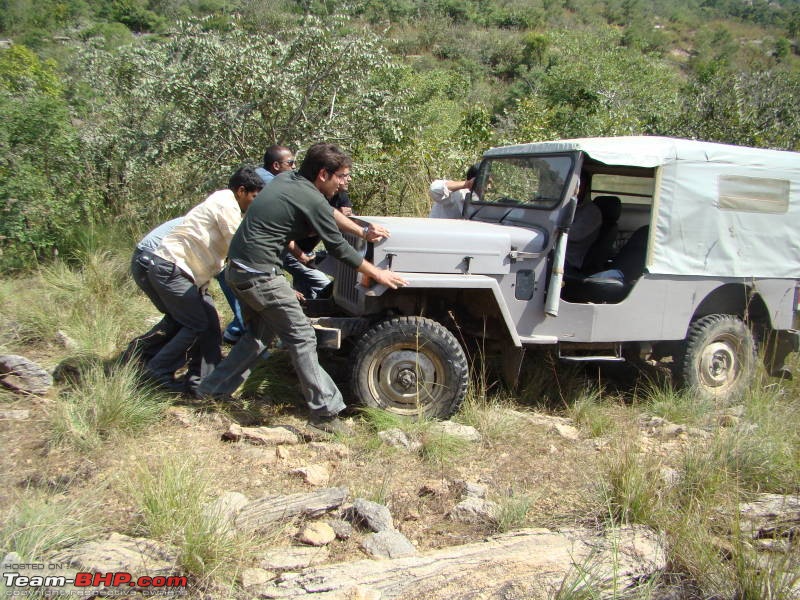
x=538, y=182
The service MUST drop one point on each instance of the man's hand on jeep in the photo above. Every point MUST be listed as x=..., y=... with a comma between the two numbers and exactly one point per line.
x=376, y=233
x=388, y=278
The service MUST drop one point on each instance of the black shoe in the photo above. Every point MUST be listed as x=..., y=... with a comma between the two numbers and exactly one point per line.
x=331, y=425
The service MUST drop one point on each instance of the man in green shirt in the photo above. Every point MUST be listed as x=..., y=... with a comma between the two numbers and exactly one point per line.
x=290, y=207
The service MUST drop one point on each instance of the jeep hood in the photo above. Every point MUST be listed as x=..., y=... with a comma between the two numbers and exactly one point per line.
x=423, y=245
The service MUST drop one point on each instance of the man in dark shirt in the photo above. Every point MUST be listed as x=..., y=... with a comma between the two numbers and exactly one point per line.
x=292, y=205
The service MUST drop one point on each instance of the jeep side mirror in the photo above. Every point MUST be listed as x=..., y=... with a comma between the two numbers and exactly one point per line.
x=567, y=214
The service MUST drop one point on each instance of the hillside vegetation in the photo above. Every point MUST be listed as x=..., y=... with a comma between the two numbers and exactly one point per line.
x=118, y=114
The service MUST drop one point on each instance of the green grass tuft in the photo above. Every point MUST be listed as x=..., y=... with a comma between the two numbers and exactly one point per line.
x=512, y=512
x=39, y=525
x=593, y=414
x=441, y=448
x=103, y=405
x=632, y=486
x=381, y=420
x=173, y=503
x=489, y=414
x=676, y=405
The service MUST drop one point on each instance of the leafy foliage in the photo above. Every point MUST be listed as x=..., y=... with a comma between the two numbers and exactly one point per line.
x=590, y=88
x=207, y=101
x=41, y=188
x=145, y=106
x=751, y=109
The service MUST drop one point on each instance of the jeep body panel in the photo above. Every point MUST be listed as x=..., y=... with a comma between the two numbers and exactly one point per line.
x=667, y=304
x=661, y=308
x=701, y=262
x=431, y=281
x=452, y=246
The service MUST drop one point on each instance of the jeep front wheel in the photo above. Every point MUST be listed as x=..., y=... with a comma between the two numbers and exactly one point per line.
x=719, y=356
x=410, y=366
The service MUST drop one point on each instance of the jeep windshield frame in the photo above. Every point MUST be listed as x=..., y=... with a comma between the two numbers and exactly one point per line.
x=539, y=182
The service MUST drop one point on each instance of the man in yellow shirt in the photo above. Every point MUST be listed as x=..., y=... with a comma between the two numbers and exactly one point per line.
x=182, y=266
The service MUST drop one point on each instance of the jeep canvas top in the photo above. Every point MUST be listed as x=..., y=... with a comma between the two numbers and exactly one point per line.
x=716, y=209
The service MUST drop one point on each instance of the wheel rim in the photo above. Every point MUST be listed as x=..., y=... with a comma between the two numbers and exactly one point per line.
x=720, y=364
x=406, y=377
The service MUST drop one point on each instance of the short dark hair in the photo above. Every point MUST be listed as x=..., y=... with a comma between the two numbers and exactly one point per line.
x=323, y=156
x=473, y=171
x=274, y=154
x=247, y=178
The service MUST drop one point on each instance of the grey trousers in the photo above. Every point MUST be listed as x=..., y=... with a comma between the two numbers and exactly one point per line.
x=235, y=368
x=199, y=339
x=147, y=345
x=271, y=309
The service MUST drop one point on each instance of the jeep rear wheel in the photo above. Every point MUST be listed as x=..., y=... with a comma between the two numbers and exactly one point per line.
x=719, y=356
x=410, y=366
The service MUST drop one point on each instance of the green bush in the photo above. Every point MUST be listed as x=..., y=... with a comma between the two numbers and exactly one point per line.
x=42, y=193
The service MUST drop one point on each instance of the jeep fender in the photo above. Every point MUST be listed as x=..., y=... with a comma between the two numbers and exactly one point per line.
x=458, y=282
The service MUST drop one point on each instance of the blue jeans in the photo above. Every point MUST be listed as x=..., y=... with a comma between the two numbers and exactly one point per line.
x=271, y=309
x=236, y=327
x=307, y=281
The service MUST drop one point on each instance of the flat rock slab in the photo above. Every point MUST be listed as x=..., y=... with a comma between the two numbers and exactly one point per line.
x=118, y=552
x=15, y=414
x=316, y=475
x=388, y=544
x=527, y=564
x=456, y=430
x=262, y=513
x=22, y=375
x=771, y=516
x=262, y=436
x=293, y=558
x=475, y=510
x=372, y=515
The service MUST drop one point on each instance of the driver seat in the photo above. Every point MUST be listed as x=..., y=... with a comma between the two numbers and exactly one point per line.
x=603, y=247
x=606, y=287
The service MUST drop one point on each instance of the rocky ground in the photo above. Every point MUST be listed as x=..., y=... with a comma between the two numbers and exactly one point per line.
x=371, y=517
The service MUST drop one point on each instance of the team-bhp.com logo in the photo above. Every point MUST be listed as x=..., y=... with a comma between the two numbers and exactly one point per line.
x=119, y=580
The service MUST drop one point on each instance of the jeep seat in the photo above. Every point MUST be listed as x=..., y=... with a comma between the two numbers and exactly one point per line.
x=603, y=247
x=613, y=285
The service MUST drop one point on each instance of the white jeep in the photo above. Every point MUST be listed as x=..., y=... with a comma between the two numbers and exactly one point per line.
x=697, y=258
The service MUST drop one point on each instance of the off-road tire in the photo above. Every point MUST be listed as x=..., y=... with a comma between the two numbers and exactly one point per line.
x=410, y=366
x=719, y=357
